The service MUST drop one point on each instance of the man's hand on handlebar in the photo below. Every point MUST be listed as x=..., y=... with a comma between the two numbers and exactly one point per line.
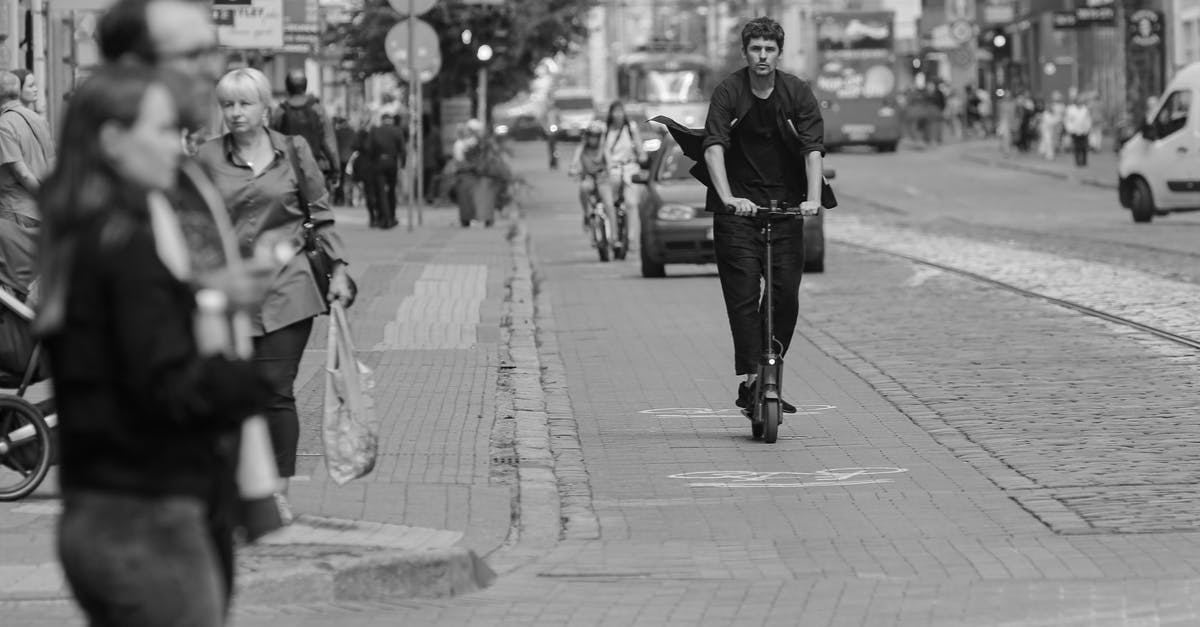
x=741, y=206
x=810, y=208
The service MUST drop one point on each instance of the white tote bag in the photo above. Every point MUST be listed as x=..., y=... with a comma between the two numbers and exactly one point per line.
x=350, y=429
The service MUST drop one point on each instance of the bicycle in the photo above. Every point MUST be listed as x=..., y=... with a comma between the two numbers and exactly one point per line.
x=766, y=409
x=598, y=226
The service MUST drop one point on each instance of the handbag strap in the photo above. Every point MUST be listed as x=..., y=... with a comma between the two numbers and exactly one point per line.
x=301, y=194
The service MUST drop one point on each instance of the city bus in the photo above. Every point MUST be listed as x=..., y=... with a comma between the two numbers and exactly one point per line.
x=856, y=79
x=665, y=82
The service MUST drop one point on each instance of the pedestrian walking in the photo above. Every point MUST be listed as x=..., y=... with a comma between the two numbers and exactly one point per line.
x=1048, y=124
x=251, y=167
x=1077, y=120
x=147, y=426
x=953, y=114
x=387, y=146
x=344, y=136
x=301, y=114
x=27, y=153
x=29, y=90
x=1006, y=119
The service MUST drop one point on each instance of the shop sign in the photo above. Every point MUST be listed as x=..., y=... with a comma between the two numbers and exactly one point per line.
x=255, y=24
x=1085, y=17
x=1145, y=29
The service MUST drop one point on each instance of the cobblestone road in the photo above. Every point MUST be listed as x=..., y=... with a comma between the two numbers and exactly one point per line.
x=1011, y=462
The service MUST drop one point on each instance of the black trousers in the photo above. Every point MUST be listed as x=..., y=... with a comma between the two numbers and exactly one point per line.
x=1079, y=145
x=740, y=247
x=277, y=354
x=372, y=194
x=137, y=561
x=385, y=186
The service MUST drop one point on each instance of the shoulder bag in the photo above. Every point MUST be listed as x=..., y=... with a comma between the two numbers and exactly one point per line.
x=318, y=257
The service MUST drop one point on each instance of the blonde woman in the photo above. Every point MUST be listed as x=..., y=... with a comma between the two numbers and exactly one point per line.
x=251, y=166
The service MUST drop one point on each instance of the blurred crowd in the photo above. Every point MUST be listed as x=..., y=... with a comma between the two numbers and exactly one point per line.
x=1074, y=122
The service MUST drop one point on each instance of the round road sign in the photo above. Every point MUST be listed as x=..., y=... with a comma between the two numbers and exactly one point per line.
x=419, y=7
x=961, y=31
x=427, y=54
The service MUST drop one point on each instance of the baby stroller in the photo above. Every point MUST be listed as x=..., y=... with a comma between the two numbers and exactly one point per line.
x=26, y=447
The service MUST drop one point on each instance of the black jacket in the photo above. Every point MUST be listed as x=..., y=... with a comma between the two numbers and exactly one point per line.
x=140, y=411
x=799, y=123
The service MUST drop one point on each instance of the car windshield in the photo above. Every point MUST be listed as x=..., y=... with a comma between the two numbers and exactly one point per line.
x=573, y=104
x=675, y=166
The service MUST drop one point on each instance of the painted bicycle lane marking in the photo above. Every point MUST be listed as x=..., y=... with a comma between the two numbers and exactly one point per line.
x=707, y=412
x=827, y=477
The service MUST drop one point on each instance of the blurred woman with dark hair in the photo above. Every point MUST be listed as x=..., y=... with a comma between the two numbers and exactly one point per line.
x=147, y=425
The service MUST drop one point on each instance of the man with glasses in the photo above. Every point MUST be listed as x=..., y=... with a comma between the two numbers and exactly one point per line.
x=178, y=37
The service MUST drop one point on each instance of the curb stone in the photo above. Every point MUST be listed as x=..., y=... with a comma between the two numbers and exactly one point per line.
x=1023, y=167
x=536, y=527
x=392, y=574
x=579, y=520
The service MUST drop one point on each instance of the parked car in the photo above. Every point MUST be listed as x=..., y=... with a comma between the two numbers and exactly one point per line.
x=1158, y=171
x=675, y=228
x=571, y=110
x=521, y=128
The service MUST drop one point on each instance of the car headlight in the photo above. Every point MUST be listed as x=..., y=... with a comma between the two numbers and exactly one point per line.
x=501, y=129
x=676, y=213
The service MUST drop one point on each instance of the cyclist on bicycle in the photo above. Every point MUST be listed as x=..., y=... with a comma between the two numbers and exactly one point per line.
x=590, y=165
x=623, y=147
x=763, y=141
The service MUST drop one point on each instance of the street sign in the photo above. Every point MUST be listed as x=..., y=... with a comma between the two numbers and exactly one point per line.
x=427, y=53
x=257, y=25
x=962, y=31
x=419, y=7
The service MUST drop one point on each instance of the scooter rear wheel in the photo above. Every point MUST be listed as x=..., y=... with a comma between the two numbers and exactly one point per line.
x=771, y=409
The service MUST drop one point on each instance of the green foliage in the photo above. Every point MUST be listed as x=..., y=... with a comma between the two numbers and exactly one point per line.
x=521, y=33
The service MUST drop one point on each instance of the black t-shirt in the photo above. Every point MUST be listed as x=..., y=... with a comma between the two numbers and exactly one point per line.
x=757, y=160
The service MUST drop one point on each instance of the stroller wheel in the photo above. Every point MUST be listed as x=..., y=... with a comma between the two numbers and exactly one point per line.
x=25, y=448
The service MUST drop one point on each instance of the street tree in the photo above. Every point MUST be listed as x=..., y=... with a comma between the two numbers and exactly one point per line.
x=521, y=33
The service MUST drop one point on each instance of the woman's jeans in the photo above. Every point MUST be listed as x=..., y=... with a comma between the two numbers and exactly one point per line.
x=741, y=246
x=134, y=561
x=277, y=355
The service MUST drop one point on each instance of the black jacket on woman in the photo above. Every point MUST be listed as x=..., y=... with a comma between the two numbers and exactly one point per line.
x=140, y=411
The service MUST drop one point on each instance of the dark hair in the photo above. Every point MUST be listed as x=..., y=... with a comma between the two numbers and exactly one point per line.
x=617, y=104
x=124, y=30
x=762, y=28
x=21, y=74
x=84, y=184
x=296, y=83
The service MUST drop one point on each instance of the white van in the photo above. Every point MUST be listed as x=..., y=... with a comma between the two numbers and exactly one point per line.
x=1159, y=167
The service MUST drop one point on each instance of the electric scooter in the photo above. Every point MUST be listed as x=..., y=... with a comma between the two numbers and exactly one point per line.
x=766, y=408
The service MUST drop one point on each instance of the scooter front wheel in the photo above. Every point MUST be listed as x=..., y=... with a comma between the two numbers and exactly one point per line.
x=771, y=410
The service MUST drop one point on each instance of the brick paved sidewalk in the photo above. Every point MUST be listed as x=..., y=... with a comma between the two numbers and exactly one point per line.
x=1101, y=169
x=428, y=322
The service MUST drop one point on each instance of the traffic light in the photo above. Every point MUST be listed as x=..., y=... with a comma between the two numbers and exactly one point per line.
x=998, y=42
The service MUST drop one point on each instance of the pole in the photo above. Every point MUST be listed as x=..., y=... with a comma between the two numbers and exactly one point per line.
x=419, y=151
x=483, y=78
x=413, y=79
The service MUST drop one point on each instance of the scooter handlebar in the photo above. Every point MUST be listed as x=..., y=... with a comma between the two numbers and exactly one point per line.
x=779, y=210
